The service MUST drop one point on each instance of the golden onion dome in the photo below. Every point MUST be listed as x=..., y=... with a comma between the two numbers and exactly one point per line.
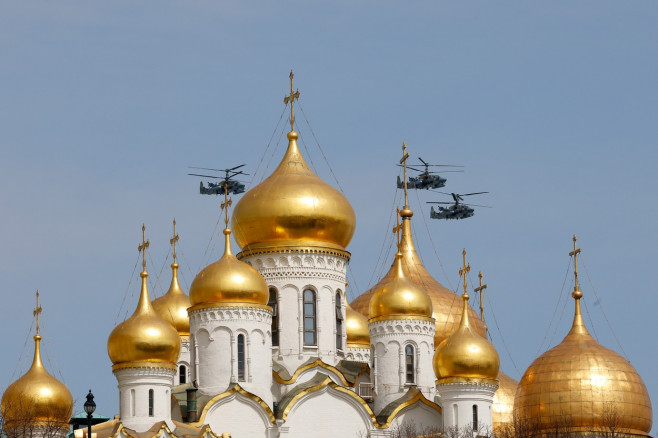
x=172, y=306
x=446, y=306
x=144, y=337
x=358, y=335
x=584, y=386
x=466, y=354
x=229, y=280
x=293, y=207
x=37, y=398
x=400, y=297
x=503, y=401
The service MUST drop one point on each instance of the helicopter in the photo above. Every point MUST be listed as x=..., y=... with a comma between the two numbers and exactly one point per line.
x=426, y=179
x=231, y=185
x=456, y=210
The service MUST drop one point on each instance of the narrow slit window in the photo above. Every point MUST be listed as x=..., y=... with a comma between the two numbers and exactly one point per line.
x=275, y=316
x=310, y=327
x=339, y=322
x=151, y=401
x=409, y=363
x=182, y=374
x=475, y=417
x=241, y=358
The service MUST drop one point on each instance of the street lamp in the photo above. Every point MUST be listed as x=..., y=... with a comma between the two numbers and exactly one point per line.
x=90, y=407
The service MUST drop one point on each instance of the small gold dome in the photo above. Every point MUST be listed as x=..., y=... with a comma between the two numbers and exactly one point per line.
x=584, y=384
x=466, y=354
x=400, y=297
x=172, y=306
x=503, y=401
x=446, y=305
x=293, y=207
x=358, y=335
x=229, y=280
x=144, y=337
x=36, y=398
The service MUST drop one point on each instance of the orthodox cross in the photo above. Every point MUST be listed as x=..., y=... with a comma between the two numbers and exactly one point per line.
x=142, y=247
x=37, y=312
x=227, y=203
x=481, y=289
x=575, y=253
x=463, y=272
x=294, y=95
x=403, y=161
x=397, y=228
x=173, y=240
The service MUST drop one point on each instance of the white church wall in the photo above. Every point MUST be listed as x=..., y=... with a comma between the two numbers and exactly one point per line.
x=419, y=417
x=326, y=413
x=239, y=416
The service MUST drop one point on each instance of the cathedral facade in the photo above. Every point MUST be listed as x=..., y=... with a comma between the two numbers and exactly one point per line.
x=266, y=344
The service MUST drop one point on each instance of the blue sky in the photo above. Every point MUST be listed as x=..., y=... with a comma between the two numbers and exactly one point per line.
x=551, y=106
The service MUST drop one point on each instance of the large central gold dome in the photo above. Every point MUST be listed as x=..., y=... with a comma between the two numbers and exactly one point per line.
x=446, y=305
x=293, y=207
x=584, y=386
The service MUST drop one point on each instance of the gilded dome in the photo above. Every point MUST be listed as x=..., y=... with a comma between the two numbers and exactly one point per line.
x=400, y=297
x=37, y=398
x=585, y=384
x=358, y=335
x=446, y=305
x=172, y=306
x=466, y=354
x=229, y=280
x=503, y=401
x=144, y=337
x=293, y=207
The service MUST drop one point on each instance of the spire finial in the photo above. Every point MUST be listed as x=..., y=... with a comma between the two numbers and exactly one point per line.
x=577, y=294
x=173, y=240
x=463, y=272
x=226, y=204
x=403, y=161
x=142, y=247
x=37, y=312
x=397, y=228
x=294, y=95
x=481, y=289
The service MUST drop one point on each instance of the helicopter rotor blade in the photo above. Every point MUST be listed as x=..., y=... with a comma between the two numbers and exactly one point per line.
x=423, y=161
x=443, y=193
x=437, y=202
x=444, y=171
x=237, y=167
x=206, y=176
x=238, y=173
x=206, y=168
x=476, y=193
x=443, y=165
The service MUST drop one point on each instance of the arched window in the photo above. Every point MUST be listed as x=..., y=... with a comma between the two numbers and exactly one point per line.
x=132, y=402
x=409, y=363
x=475, y=417
x=182, y=375
x=150, y=402
x=310, y=327
x=339, y=322
x=275, y=317
x=241, y=358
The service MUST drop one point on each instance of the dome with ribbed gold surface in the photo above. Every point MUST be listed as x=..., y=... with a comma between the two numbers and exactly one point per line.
x=465, y=354
x=36, y=399
x=503, y=401
x=229, y=280
x=144, y=337
x=446, y=305
x=584, y=386
x=293, y=207
x=172, y=306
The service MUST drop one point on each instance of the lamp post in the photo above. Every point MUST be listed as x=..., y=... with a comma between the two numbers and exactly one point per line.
x=90, y=407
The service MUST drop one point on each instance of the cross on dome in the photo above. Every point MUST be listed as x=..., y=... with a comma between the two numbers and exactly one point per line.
x=463, y=272
x=577, y=294
x=403, y=162
x=37, y=312
x=294, y=95
x=397, y=229
x=481, y=289
x=174, y=240
x=226, y=204
x=142, y=247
